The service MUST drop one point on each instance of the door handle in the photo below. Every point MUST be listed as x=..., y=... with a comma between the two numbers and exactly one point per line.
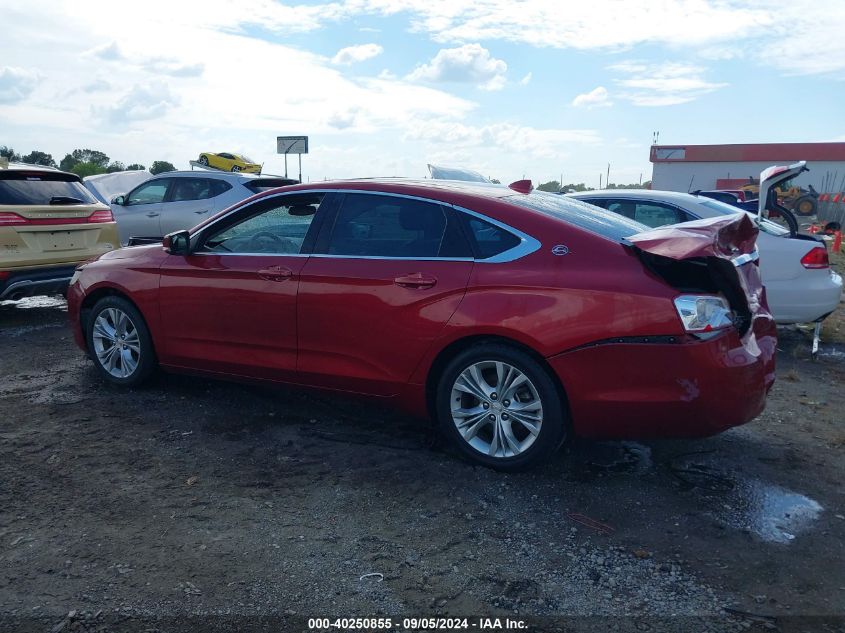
x=415, y=280
x=152, y=214
x=203, y=211
x=275, y=273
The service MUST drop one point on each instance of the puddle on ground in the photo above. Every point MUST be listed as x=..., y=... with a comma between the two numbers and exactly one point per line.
x=833, y=351
x=29, y=303
x=773, y=513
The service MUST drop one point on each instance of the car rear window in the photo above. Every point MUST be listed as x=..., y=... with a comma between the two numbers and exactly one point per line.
x=585, y=216
x=39, y=188
x=264, y=184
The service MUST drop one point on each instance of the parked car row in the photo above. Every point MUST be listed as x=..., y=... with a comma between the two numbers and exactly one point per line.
x=514, y=318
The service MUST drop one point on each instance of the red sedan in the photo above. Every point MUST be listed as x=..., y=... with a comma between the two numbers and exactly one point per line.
x=514, y=318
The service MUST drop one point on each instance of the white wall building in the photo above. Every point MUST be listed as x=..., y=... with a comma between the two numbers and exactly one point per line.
x=691, y=167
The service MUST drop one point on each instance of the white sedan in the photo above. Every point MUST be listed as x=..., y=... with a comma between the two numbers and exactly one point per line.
x=800, y=285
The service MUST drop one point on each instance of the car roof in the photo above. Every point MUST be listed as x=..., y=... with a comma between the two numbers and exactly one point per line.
x=422, y=187
x=207, y=173
x=18, y=166
x=640, y=194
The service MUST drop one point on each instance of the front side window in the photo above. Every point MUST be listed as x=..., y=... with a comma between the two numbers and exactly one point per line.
x=277, y=226
x=148, y=193
x=391, y=226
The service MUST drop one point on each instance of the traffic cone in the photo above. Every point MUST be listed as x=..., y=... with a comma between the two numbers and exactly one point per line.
x=837, y=241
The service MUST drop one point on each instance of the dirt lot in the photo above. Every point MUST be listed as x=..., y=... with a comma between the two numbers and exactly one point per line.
x=198, y=504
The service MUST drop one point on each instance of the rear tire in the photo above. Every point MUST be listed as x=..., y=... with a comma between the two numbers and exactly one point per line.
x=119, y=342
x=203, y=160
x=235, y=168
x=500, y=408
x=805, y=205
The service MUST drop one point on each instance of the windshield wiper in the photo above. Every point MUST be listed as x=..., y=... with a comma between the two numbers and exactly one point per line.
x=66, y=200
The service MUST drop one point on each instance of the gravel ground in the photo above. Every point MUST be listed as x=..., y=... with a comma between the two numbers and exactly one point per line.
x=194, y=504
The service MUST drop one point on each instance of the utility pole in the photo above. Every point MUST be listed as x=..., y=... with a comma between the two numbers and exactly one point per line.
x=599, y=180
x=607, y=180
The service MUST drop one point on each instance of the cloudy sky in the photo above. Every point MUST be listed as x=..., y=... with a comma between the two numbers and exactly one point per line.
x=382, y=87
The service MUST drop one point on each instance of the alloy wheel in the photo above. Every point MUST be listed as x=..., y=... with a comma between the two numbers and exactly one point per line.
x=496, y=409
x=116, y=342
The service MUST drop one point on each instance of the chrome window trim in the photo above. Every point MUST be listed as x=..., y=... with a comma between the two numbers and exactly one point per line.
x=526, y=246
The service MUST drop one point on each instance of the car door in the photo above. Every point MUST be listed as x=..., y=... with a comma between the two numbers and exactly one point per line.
x=387, y=274
x=230, y=305
x=140, y=213
x=189, y=201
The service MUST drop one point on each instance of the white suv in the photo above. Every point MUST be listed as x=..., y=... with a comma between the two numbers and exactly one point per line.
x=178, y=200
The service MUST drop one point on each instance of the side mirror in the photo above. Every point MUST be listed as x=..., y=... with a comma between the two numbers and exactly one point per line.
x=177, y=243
x=118, y=200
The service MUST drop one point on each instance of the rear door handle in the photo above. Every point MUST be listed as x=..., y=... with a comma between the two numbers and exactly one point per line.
x=152, y=214
x=275, y=273
x=203, y=211
x=415, y=280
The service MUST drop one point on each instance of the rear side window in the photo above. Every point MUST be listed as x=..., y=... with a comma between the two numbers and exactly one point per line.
x=218, y=187
x=651, y=214
x=490, y=240
x=585, y=216
x=185, y=189
x=36, y=188
x=391, y=226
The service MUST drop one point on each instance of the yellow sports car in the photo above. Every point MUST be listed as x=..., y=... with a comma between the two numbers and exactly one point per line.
x=229, y=162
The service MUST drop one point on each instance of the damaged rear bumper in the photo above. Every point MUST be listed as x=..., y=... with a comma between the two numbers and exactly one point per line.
x=690, y=388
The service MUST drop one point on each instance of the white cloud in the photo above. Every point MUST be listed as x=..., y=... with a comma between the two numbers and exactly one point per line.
x=596, y=98
x=525, y=80
x=669, y=83
x=173, y=68
x=140, y=103
x=471, y=63
x=107, y=52
x=16, y=84
x=354, y=54
x=549, y=143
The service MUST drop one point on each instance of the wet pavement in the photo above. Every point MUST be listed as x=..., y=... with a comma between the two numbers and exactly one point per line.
x=266, y=500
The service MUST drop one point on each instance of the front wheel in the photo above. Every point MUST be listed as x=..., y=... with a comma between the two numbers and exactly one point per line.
x=119, y=342
x=500, y=408
x=235, y=168
x=203, y=160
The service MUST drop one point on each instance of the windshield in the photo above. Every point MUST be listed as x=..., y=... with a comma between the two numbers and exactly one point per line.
x=247, y=159
x=41, y=188
x=765, y=225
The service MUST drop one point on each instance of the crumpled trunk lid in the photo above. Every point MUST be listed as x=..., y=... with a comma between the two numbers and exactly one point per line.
x=713, y=255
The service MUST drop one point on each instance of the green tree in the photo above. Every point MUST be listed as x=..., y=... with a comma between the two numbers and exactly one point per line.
x=68, y=163
x=552, y=185
x=496, y=181
x=161, y=166
x=8, y=152
x=39, y=158
x=90, y=156
x=135, y=166
x=114, y=166
x=87, y=169
x=579, y=187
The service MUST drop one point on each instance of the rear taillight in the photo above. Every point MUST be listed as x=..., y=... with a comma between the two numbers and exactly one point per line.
x=816, y=258
x=701, y=314
x=13, y=219
x=103, y=215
